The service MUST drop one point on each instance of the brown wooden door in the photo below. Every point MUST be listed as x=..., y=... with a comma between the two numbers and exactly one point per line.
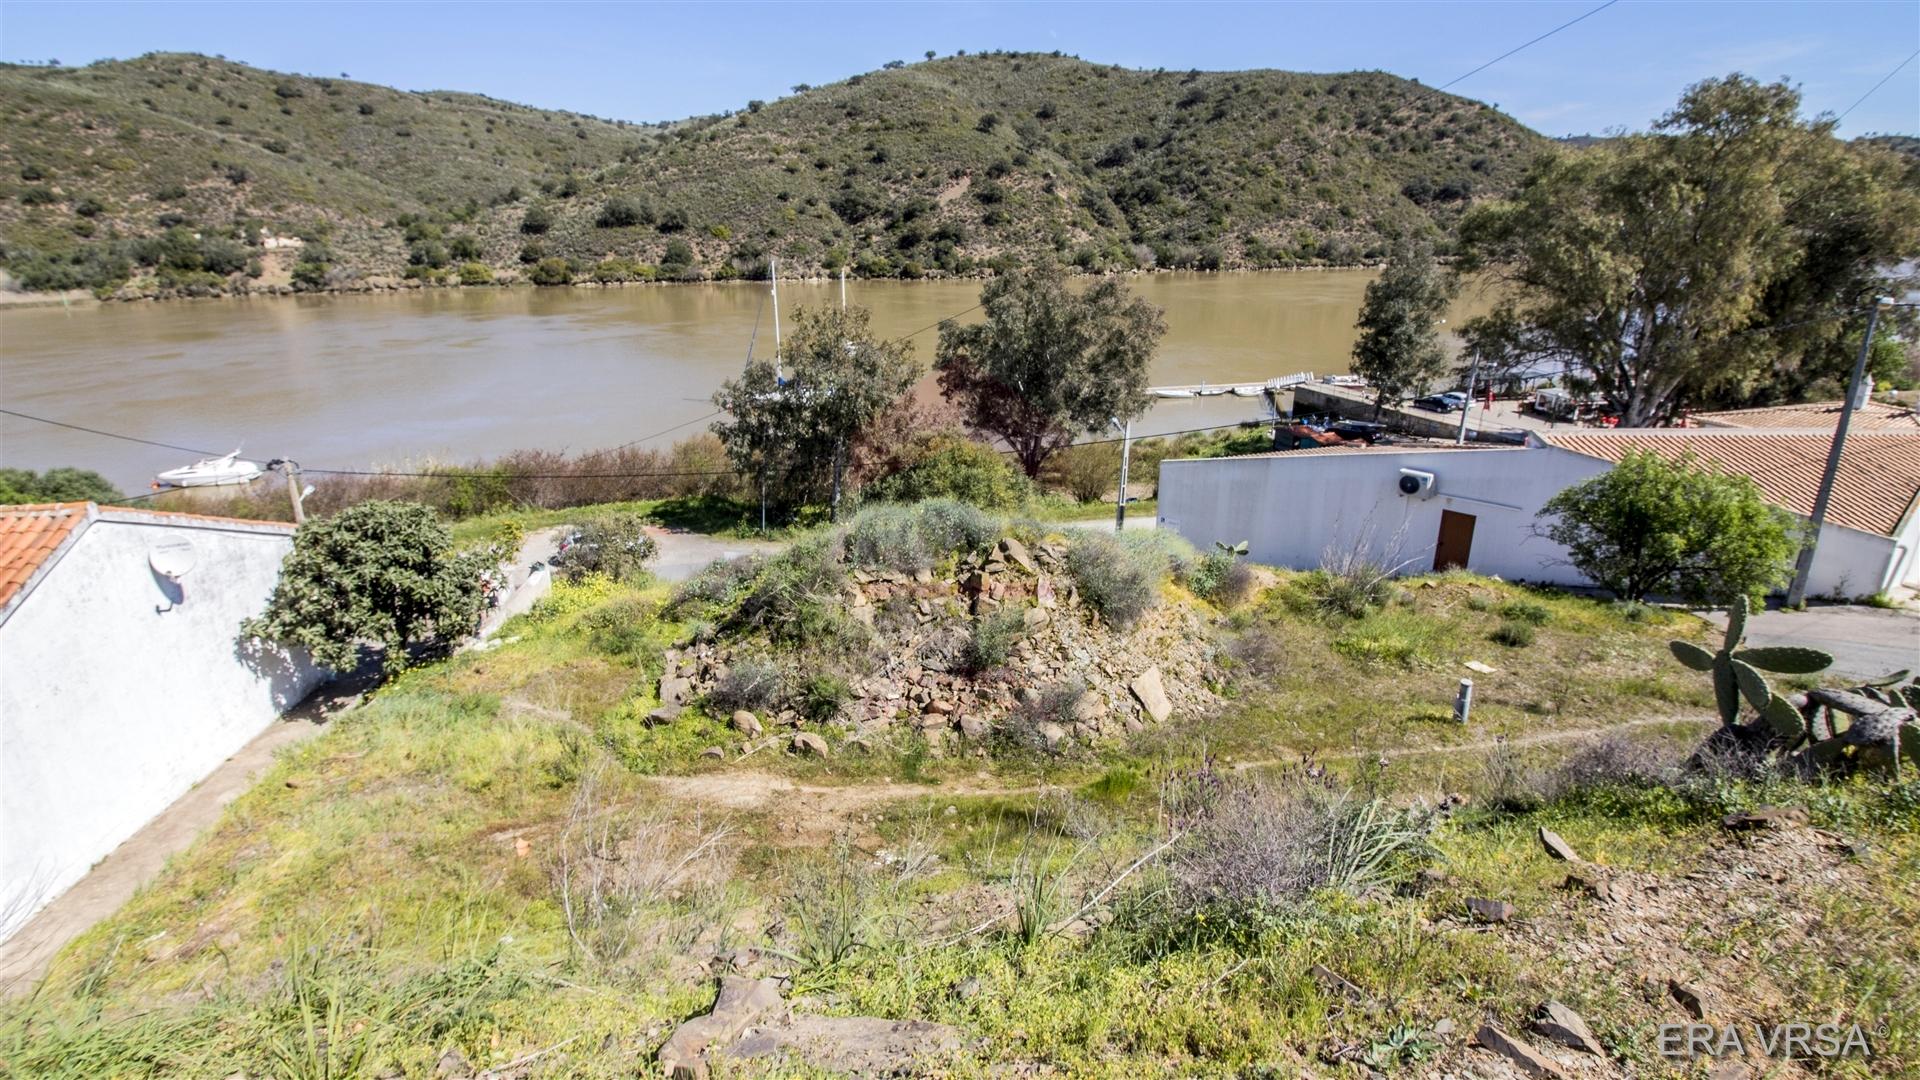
x=1456, y=541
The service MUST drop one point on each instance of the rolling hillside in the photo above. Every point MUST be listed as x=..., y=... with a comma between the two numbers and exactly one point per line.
x=939, y=167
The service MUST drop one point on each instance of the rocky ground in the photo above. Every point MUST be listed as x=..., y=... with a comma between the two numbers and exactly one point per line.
x=1119, y=681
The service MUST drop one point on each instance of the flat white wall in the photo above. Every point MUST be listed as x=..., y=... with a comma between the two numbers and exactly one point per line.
x=1293, y=508
x=111, y=710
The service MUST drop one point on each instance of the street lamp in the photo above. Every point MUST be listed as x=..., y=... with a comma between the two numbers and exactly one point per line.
x=1126, y=454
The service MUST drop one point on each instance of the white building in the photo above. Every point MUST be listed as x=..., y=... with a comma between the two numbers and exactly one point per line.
x=123, y=680
x=1477, y=508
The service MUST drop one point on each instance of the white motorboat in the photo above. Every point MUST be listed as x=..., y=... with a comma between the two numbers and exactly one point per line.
x=1172, y=393
x=1250, y=390
x=1211, y=391
x=211, y=472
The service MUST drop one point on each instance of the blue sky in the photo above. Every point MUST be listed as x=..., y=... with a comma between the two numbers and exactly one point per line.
x=1618, y=69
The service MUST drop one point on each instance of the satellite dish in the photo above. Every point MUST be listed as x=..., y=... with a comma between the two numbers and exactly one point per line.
x=172, y=559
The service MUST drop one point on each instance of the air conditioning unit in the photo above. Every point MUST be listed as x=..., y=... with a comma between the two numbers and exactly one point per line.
x=1417, y=484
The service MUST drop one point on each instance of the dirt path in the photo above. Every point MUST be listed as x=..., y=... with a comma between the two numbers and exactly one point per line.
x=755, y=789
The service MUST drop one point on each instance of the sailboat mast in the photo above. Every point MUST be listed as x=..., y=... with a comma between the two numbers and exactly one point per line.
x=773, y=271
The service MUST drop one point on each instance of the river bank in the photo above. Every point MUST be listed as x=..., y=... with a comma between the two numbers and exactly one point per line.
x=379, y=285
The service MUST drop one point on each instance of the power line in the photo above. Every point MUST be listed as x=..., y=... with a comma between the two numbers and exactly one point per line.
x=109, y=434
x=668, y=431
x=1877, y=86
x=1527, y=45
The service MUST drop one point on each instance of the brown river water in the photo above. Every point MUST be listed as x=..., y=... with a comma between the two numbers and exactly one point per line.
x=440, y=376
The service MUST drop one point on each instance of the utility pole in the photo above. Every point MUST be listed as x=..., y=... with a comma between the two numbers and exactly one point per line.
x=295, y=495
x=1126, y=456
x=843, y=288
x=1797, y=593
x=1473, y=370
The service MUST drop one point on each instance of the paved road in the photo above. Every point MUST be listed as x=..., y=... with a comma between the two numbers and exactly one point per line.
x=1865, y=642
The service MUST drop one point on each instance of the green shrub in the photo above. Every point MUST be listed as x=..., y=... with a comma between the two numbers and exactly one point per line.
x=621, y=212
x=1514, y=634
x=1119, y=580
x=616, y=545
x=822, y=697
x=64, y=484
x=1220, y=578
x=752, y=682
x=476, y=273
x=950, y=527
x=992, y=640
x=551, y=272
x=383, y=572
x=953, y=467
x=536, y=221
x=1531, y=612
x=911, y=538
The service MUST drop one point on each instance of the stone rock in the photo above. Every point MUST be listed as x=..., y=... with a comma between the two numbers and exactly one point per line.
x=1333, y=983
x=1557, y=847
x=1766, y=817
x=1524, y=1057
x=1016, y=552
x=665, y=714
x=1443, y=1027
x=974, y=726
x=1029, y=696
x=742, y=1003
x=968, y=988
x=1698, y=1002
x=939, y=705
x=1088, y=708
x=713, y=752
x=1052, y=734
x=675, y=689
x=806, y=742
x=1592, y=881
x=1564, y=1026
x=852, y=1045
x=1152, y=694
x=746, y=723
x=452, y=1063
x=1489, y=911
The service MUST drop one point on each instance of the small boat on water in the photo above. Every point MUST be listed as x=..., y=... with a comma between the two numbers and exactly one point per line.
x=1250, y=390
x=211, y=472
x=1212, y=391
x=1350, y=381
x=1171, y=393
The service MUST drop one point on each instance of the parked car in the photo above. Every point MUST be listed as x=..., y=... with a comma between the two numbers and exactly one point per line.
x=1365, y=430
x=1451, y=401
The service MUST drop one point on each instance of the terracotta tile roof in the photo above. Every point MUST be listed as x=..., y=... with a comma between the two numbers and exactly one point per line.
x=29, y=535
x=33, y=533
x=1877, y=486
x=1817, y=415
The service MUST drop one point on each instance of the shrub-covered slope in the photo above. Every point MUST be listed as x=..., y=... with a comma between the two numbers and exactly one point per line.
x=936, y=167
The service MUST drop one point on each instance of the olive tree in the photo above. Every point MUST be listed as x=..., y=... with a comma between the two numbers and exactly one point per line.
x=379, y=573
x=791, y=426
x=1673, y=527
x=1047, y=363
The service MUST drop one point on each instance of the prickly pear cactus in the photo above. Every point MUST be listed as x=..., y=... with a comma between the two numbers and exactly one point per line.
x=1736, y=673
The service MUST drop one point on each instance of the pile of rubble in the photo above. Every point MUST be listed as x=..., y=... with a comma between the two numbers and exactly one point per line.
x=1069, y=678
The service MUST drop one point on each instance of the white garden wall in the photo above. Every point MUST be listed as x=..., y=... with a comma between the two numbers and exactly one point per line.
x=120, y=690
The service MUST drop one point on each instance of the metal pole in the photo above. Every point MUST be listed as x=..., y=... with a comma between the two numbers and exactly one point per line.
x=773, y=272
x=1472, y=371
x=1126, y=456
x=843, y=288
x=1797, y=593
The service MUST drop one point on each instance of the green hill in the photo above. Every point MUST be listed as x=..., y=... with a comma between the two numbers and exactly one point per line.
x=931, y=168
